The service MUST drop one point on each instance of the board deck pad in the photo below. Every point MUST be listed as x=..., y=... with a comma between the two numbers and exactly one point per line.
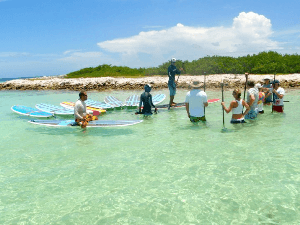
x=96, y=104
x=111, y=100
x=29, y=111
x=94, y=123
x=89, y=109
x=132, y=100
x=58, y=110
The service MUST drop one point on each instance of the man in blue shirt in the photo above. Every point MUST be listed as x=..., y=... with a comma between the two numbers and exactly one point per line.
x=172, y=71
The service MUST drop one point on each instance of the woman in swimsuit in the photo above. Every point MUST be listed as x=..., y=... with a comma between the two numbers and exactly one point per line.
x=236, y=106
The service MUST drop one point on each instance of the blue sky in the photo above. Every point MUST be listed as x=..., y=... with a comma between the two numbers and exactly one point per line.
x=54, y=37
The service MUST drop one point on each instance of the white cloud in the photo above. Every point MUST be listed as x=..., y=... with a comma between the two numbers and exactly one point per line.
x=249, y=33
x=14, y=54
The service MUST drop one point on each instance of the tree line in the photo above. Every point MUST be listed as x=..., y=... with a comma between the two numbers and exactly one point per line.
x=263, y=63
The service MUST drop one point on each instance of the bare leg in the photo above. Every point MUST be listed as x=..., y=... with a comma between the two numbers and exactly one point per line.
x=171, y=100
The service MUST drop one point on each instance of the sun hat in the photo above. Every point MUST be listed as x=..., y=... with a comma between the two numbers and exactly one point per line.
x=276, y=82
x=267, y=77
x=173, y=60
x=258, y=85
x=196, y=84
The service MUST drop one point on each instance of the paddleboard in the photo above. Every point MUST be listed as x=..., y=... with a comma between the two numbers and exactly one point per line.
x=96, y=104
x=70, y=105
x=28, y=111
x=132, y=100
x=58, y=110
x=113, y=101
x=158, y=98
x=94, y=123
x=182, y=104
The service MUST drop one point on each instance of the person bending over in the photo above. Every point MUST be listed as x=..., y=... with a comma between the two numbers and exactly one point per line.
x=146, y=101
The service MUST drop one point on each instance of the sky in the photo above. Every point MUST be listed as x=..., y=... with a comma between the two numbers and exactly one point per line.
x=56, y=37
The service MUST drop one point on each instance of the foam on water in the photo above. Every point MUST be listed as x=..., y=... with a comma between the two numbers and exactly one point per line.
x=162, y=171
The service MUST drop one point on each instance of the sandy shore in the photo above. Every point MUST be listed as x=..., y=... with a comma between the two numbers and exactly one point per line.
x=157, y=82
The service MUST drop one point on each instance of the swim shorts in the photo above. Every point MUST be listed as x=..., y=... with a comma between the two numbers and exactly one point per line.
x=197, y=119
x=237, y=121
x=252, y=114
x=172, y=88
x=278, y=108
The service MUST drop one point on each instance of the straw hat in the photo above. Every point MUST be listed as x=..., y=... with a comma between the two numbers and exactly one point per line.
x=196, y=84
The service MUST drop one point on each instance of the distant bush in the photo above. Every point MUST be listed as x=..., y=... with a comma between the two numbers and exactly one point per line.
x=262, y=63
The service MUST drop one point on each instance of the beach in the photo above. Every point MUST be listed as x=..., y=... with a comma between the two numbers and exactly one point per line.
x=157, y=82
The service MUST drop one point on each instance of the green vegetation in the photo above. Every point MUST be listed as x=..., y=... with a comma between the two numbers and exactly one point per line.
x=262, y=63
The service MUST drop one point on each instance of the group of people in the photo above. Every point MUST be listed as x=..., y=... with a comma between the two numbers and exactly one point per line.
x=257, y=96
x=196, y=100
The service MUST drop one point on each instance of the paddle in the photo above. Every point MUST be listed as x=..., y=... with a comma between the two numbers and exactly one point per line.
x=204, y=88
x=273, y=92
x=222, y=85
x=246, y=75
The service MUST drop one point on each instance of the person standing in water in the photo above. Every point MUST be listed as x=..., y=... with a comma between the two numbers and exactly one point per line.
x=267, y=88
x=146, y=101
x=172, y=71
x=252, y=99
x=261, y=98
x=195, y=102
x=278, y=94
x=236, y=106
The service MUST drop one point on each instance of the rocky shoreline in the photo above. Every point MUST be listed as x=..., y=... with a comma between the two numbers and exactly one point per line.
x=157, y=82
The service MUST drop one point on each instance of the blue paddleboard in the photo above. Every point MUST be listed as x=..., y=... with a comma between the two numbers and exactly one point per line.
x=58, y=110
x=113, y=101
x=95, y=123
x=132, y=100
x=28, y=111
x=156, y=99
x=97, y=104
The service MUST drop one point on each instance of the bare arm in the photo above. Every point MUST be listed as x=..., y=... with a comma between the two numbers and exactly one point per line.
x=247, y=108
x=227, y=110
x=187, y=109
x=252, y=99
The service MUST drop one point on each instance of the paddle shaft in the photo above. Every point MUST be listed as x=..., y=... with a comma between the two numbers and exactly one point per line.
x=273, y=92
x=222, y=106
x=204, y=89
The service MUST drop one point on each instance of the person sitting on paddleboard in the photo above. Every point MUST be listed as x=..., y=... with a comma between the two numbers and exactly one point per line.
x=252, y=99
x=146, y=101
x=81, y=116
x=261, y=98
x=278, y=94
x=236, y=106
x=172, y=71
x=195, y=101
x=267, y=88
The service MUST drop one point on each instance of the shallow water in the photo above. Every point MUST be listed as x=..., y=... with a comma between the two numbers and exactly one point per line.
x=164, y=170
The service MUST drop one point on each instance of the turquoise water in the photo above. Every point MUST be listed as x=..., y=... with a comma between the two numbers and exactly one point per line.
x=164, y=170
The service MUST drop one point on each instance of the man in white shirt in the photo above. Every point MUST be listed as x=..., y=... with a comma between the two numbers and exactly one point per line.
x=195, y=102
x=80, y=108
x=252, y=99
x=278, y=94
